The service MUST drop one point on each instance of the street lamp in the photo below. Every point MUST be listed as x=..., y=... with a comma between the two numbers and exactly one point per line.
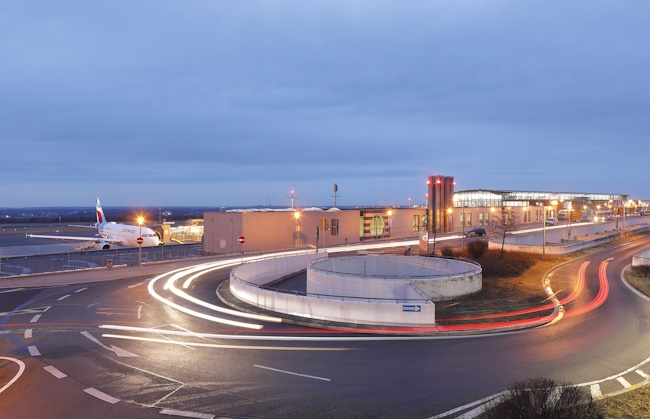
x=570, y=208
x=390, y=213
x=296, y=216
x=140, y=221
x=409, y=202
x=451, y=219
x=544, y=231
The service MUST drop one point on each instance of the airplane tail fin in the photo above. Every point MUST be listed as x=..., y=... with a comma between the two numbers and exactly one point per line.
x=100, y=213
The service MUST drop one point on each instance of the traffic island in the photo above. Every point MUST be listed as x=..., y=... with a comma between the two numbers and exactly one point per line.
x=394, y=291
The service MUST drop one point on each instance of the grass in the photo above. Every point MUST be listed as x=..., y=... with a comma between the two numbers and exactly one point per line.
x=639, y=282
x=630, y=405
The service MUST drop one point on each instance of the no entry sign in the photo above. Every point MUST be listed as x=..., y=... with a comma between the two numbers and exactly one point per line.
x=242, y=239
x=140, y=240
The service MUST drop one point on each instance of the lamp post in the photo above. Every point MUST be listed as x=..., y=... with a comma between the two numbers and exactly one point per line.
x=570, y=208
x=544, y=231
x=140, y=221
x=463, y=224
x=296, y=216
x=451, y=219
x=409, y=202
x=390, y=213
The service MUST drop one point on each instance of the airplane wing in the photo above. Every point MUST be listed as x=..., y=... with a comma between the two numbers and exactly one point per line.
x=86, y=239
x=74, y=225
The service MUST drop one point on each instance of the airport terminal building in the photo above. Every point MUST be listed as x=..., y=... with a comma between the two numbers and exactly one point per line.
x=275, y=229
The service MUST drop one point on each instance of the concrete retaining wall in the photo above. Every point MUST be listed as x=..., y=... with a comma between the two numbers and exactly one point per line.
x=642, y=258
x=532, y=242
x=393, y=277
x=246, y=280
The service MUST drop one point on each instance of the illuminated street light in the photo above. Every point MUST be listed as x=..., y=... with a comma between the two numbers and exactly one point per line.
x=296, y=215
x=140, y=221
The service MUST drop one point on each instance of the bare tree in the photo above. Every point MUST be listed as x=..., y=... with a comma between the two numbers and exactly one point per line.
x=505, y=222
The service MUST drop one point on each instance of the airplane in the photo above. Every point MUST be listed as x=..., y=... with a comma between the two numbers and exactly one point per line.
x=111, y=233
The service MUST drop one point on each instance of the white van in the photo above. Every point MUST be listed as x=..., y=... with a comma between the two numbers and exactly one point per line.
x=551, y=221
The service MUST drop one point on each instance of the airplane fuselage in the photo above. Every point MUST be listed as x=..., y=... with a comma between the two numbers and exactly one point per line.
x=128, y=234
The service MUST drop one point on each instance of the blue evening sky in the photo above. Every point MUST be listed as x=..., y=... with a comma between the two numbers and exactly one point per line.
x=237, y=102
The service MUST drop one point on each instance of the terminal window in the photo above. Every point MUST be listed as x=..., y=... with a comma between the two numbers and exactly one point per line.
x=335, y=226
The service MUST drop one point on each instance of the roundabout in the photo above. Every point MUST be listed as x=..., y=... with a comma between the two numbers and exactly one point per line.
x=166, y=343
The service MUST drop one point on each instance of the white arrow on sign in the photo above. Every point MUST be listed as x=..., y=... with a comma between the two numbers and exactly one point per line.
x=118, y=351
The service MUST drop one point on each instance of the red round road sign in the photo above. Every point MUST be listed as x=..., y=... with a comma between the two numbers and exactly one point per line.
x=242, y=239
x=140, y=240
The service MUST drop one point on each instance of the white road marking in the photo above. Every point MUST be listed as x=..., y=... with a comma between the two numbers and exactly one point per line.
x=139, y=310
x=102, y=396
x=627, y=284
x=293, y=373
x=63, y=298
x=467, y=406
x=180, y=343
x=26, y=311
x=642, y=374
x=595, y=391
x=81, y=289
x=624, y=382
x=21, y=369
x=189, y=331
x=607, y=260
x=33, y=351
x=55, y=372
x=28, y=333
x=93, y=304
x=35, y=318
x=118, y=351
x=138, y=284
x=13, y=290
x=186, y=414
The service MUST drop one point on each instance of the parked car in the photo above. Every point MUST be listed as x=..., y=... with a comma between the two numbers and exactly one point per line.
x=475, y=232
x=552, y=221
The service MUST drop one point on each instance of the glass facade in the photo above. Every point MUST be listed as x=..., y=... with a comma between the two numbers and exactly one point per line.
x=481, y=199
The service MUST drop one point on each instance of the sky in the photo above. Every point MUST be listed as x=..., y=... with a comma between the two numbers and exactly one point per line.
x=224, y=103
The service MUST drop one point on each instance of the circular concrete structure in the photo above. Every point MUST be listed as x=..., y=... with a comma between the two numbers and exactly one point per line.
x=393, y=277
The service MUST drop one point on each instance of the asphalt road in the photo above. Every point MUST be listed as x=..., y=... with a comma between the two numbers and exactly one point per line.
x=62, y=330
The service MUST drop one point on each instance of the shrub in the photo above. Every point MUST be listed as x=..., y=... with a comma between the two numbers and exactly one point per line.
x=642, y=271
x=544, y=398
x=447, y=251
x=477, y=248
x=512, y=264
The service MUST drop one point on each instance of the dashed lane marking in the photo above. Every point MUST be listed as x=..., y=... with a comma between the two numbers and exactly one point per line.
x=624, y=382
x=28, y=333
x=35, y=318
x=186, y=414
x=94, y=304
x=55, y=372
x=81, y=289
x=101, y=395
x=33, y=351
x=139, y=311
x=21, y=369
x=642, y=374
x=63, y=298
x=293, y=373
x=138, y=284
x=595, y=391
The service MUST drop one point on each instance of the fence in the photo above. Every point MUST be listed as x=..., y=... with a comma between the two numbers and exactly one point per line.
x=95, y=259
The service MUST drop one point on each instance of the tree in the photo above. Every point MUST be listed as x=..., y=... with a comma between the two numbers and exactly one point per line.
x=505, y=222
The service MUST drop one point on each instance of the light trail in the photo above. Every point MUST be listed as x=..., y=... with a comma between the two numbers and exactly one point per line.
x=603, y=292
x=215, y=345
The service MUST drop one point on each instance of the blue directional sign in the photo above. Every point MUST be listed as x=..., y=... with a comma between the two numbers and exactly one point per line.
x=411, y=309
